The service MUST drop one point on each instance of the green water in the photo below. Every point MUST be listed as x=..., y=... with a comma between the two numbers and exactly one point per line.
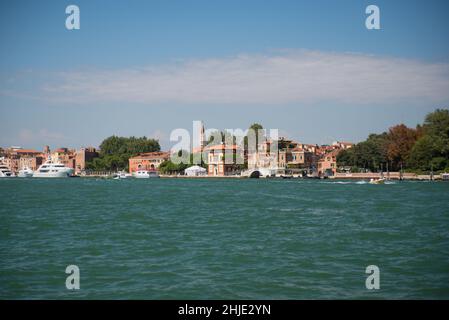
x=223, y=238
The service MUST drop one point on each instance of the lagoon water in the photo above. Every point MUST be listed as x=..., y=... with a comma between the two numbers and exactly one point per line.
x=223, y=238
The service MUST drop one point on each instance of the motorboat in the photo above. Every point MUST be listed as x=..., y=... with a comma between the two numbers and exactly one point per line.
x=145, y=174
x=25, y=172
x=52, y=169
x=377, y=181
x=123, y=175
x=5, y=172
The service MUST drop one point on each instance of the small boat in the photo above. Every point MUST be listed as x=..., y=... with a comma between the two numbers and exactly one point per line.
x=25, y=172
x=377, y=181
x=145, y=174
x=123, y=175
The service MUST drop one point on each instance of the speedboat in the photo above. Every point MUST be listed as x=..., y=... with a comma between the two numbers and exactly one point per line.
x=52, y=169
x=5, y=172
x=123, y=175
x=145, y=174
x=377, y=181
x=25, y=172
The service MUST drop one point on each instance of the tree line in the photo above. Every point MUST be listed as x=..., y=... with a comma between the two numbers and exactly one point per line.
x=419, y=149
x=115, y=152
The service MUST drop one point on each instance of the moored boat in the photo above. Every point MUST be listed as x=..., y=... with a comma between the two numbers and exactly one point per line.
x=52, y=169
x=5, y=172
x=145, y=174
x=123, y=175
x=25, y=172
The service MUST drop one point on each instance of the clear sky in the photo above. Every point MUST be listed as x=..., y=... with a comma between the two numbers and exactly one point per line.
x=309, y=68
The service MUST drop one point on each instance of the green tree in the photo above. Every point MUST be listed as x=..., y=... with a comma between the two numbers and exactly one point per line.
x=346, y=158
x=115, y=152
x=370, y=154
x=431, y=151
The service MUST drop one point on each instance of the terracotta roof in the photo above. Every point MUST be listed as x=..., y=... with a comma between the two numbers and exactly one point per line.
x=223, y=147
x=333, y=153
x=152, y=155
x=27, y=151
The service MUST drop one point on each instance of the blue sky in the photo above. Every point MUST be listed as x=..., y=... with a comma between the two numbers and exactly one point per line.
x=309, y=68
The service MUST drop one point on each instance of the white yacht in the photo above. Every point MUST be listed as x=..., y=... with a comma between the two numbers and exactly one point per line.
x=52, y=169
x=145, y=174
x=5, y=172
x=25, y=172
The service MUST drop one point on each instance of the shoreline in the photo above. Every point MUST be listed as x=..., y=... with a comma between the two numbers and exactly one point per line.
x=358, y=177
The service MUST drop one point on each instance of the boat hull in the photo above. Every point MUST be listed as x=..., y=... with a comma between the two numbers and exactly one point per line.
x=60, y=174
x=25, y=175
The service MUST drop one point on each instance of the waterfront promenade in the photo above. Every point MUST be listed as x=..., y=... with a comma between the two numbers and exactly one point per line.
x=338, y=175
x=390, y=175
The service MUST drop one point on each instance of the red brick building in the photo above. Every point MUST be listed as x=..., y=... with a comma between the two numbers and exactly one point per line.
x=82, y=156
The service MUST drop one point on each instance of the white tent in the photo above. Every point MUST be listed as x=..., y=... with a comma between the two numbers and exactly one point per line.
x=195, y=171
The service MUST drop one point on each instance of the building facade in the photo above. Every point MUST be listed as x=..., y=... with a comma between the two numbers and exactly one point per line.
x=289, y=155
x=147, y=161
x=17, y=158
x=327, y=165
x=83, y=156
x=65, y=156
x=224, y=160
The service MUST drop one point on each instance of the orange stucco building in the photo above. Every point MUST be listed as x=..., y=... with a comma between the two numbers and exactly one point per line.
x=147, y=161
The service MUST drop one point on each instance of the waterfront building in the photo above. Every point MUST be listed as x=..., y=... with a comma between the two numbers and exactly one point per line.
x=46, y=151
x=301, y=158
x=263, y=157
x=32, y=161
x=222, y=160
x=147, y=161
x=290, y=156
x=64, y=156
x=83, y=156
x=17, y=158
x=327, y=164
